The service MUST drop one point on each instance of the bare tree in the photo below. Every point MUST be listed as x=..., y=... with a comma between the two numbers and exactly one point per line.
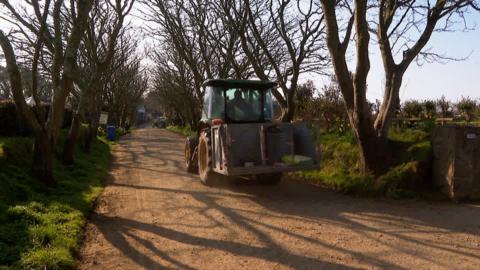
x=402, y=29
x=5, y=92
x=173, y=88
x=201, y=36
x=277, y=40
x=282, y=39
x=124, y=83
x=467, y=107
x=45, y=27
x=105, y=24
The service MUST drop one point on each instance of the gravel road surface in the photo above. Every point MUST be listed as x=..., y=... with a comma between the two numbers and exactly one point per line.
x=154, y=215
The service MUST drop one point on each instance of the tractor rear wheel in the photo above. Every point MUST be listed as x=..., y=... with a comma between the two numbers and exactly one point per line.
x=189, y=154
x=269, y=178
x=207, y=175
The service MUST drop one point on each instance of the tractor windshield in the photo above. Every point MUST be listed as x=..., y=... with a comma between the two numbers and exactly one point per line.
x=244, y=105
x=240, y=104
x=248, y=105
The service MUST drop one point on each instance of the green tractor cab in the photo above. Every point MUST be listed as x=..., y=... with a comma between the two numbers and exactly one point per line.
x=238, y=137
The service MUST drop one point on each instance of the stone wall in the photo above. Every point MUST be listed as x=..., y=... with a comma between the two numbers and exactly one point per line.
x=456, y=161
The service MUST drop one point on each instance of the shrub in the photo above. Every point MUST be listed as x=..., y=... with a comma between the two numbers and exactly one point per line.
x=412, y=108
x=401, y=181
x=186, y=131
x=119, y=132
x=340, y=167
x=429, y=108
x=12, y=123
x=467, y=107
x=327, y=108
x=411, y=168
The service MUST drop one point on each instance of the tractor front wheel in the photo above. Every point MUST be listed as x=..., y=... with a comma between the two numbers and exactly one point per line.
x=189, y=154
x=207, y=175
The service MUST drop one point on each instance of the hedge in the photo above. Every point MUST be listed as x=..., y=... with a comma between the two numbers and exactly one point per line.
x=12, y=124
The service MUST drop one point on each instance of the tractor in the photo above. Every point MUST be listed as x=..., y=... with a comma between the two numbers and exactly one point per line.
x=238, y=137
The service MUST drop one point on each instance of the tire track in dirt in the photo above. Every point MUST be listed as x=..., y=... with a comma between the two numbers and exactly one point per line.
x=154, y=215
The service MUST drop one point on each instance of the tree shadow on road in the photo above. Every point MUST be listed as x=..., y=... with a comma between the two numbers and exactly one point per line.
x=376, y=220
x=299, y=207
x=123, y=228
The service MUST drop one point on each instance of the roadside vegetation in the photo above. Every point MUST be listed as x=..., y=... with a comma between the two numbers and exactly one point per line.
x=186, y=130
x=341, y=167
x=41, y=227
x=408, y=173
x=87, y=74
x=62, y=66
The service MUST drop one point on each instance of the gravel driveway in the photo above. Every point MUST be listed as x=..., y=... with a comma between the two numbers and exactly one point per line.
x=154, y=215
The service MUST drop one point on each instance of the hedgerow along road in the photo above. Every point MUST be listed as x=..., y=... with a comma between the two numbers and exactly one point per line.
x=154, y=215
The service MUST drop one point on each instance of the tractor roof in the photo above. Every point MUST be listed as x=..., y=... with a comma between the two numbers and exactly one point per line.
x=257, y=84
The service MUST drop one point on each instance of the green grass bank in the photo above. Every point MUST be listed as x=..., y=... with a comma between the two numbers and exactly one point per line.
x=408, y=176
x=41, y=227
x=186, y=131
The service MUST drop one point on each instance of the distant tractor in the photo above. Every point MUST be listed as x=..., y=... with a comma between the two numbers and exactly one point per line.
x=237, y=136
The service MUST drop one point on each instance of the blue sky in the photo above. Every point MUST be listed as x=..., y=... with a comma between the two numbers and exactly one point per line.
x=453, y=79
x=432, y=80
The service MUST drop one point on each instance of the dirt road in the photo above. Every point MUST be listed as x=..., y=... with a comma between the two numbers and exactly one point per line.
x=154, y=215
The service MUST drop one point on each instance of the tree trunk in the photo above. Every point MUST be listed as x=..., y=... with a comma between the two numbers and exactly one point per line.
x=373, y=151
x=72, y=140
x=123, y=121
x=391, y=100
x=288, y=112
x=288, y=106
x=42, y=166
x=373, y=141
x=87, y=147
x=91, y=135
x=74, y=132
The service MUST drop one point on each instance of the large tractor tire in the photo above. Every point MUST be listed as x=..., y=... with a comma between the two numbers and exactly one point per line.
x=269, y=178
x=204, y=150
x=190, y=155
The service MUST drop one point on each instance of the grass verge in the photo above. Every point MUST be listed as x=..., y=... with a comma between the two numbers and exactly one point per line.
x=40, y=227
x=340, y=166
x=186, y=131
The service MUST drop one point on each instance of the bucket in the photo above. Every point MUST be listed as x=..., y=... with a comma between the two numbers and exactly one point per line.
x=276, y=141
